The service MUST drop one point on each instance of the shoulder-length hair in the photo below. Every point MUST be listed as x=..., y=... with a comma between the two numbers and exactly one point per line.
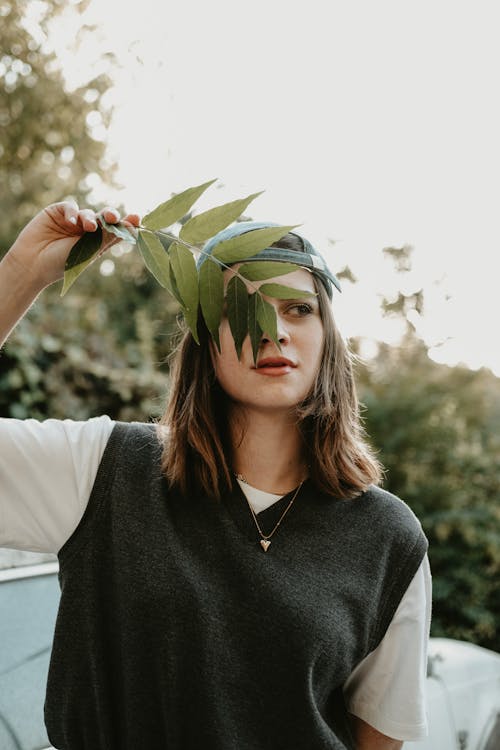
x=196, y=447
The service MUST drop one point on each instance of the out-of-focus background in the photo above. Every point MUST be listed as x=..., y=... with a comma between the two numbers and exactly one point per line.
x=375, y=125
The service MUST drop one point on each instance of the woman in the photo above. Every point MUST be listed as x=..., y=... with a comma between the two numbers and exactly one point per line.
x=232, y=577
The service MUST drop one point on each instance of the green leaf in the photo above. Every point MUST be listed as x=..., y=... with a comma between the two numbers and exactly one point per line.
x=174, y=209
x=155, y=257
x=266, y=269
x=117, y=229
x=237, y=311
x=266, y=318
x=250, y=243
x=205, y=225
x=81, y=255
x=278, y=291
x=186, y=276
x=175, y=288
x=254, y=329
x=211, y=283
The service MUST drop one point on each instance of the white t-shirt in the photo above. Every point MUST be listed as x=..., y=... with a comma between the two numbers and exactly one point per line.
x=47, y=470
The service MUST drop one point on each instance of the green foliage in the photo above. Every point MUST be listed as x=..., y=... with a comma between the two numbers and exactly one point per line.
x=240, y=248
x=401, y=257
x=266, y=318
x=82, y=256
x=183, y=266
x=171, y=261
x=258, y=271
x=237, y=311
x=438, y=432
x=254, y=329
x=47, y=148
x=155, y=258
x=104, y=351
x=119, y=231
x=175, y=208
x=202, y=227
x=212, y=297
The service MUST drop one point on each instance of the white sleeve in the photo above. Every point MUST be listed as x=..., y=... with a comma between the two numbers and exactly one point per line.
x=47, y=470
x=387, y=689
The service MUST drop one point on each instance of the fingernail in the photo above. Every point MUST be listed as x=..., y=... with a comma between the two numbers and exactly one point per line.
x=72, y=219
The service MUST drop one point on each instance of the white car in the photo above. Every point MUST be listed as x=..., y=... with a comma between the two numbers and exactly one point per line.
x=29, y=598
x=463, y=697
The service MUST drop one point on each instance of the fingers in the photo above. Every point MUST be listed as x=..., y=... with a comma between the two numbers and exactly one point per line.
x=86, y=217
x=70, y=211
x=74, y=216
x=111, y=215
x=133, y=219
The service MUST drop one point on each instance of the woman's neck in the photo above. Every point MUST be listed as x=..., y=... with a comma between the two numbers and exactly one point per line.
x=268, y=450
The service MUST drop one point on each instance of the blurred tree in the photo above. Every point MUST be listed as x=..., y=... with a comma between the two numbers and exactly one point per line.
x=48, y=151
x=97, y=350
x=438, y=432
x=102, y=349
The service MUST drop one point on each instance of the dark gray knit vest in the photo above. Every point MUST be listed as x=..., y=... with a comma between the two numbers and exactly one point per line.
x=176, y=631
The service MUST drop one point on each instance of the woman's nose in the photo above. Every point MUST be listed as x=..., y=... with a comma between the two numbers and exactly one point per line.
x=283, y=335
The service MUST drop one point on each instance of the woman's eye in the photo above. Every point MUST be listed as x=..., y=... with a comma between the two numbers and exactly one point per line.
x=301, y=309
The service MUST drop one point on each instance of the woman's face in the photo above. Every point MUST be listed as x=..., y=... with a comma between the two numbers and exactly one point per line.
x=280, y=379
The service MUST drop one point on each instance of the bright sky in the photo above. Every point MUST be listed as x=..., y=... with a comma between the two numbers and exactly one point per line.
x=372, y=124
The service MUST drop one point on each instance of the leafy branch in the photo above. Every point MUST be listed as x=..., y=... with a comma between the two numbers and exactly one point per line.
x=201, y=288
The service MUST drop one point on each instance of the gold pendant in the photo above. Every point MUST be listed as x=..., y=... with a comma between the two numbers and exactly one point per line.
x=264, y=543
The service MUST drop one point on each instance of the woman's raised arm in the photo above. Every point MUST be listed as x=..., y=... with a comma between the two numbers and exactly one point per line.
x=38, y=256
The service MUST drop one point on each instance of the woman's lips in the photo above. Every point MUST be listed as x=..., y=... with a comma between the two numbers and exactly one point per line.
x=274, y=366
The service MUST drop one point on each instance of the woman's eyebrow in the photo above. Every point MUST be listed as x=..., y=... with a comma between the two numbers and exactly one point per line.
x=306, y=298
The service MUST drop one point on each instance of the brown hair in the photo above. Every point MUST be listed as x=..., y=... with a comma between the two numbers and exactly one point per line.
x=196, y=449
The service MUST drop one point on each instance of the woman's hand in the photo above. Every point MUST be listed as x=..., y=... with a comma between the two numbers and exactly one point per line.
x=38, y=256
x=42, y=247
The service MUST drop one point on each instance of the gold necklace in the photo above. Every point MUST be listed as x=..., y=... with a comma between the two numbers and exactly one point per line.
x=265, y=538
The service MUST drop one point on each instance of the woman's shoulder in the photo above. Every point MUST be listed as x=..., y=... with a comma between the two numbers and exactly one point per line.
x=49, y=431
x=383, y=513
x=377, y=494
x=134, y=430
x=390, y=511
x=131, y=442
